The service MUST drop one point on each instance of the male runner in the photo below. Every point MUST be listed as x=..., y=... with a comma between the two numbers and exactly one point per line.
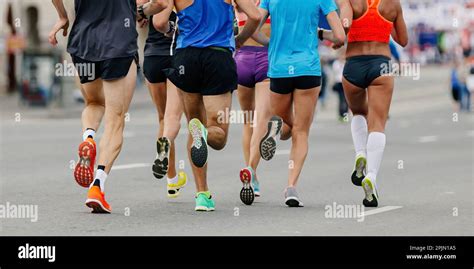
x=295, y=76
x=205, y=72
x=103, y=39
x=159, y=49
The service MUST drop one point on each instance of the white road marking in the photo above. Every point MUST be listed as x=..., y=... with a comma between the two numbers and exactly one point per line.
x=470, y=133
x=380, y=210
x=283, y=152
x=131, y=166
x=428, y=139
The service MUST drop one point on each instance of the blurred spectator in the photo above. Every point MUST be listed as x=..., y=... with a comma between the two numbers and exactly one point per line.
x=463, y=72
x=338, y=68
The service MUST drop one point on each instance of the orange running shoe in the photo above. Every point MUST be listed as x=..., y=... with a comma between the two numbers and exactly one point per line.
x=84, y=171
x=96, y=201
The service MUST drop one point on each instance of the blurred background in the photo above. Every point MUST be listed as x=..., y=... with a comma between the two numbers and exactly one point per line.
x=441, y=33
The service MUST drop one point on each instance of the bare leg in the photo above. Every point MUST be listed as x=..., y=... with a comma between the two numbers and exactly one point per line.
x=380, y=97
x=207, y=110
x=305, y=104
x=158, y=94
x=194, y=108
x=217, y=130
x=118, y=94
x=356, y=98
x=172, y=123
x=281, y=105
x=262, y=115
x=247, y=105
x=94, y=104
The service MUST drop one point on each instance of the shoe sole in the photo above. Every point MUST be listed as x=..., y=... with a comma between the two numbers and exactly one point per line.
x=83, y=172
x=160, y=165
x=371, y=199
x=268, y=143
x=198, y=154
x=361, y=163
x=97, y=207
x=176, y=190
x=293, y=202
x=247, y=194
x=204, y=209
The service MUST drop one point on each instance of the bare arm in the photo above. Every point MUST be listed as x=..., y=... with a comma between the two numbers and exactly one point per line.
x=400, y=32
x=153, y=7
x=61, y=24
x=253, y=19
x=161, y=20
x=337, y=35
x=346, y=14
x=258, y=36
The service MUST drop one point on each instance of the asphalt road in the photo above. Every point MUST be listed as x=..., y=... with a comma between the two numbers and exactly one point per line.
x=425, y=183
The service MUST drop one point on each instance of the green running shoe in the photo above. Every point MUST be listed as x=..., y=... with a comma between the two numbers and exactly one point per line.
x=204, y=202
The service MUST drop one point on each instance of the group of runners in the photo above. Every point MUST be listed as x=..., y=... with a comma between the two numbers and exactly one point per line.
x=194, y=61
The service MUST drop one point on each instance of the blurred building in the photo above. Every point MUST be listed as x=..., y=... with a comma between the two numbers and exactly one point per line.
x=32, y=22
x=28, y=27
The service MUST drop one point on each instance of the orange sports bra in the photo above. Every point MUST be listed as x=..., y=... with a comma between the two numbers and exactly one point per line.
x=371, y=26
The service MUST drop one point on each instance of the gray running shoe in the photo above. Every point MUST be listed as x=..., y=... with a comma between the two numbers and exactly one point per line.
x=291, y=198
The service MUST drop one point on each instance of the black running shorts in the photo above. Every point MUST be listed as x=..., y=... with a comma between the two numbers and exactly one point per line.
x=362, y=70
x=288, y=85
x=154, y=66
x=208, y=71
x=110, y=69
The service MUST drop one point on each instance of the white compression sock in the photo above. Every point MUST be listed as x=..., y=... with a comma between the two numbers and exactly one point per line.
x=173, y=180
x=375, y=148
x=100, y=175
x=87, y=133
x=359, y=134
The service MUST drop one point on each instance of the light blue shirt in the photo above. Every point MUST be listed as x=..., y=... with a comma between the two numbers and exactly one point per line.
x=293, y=49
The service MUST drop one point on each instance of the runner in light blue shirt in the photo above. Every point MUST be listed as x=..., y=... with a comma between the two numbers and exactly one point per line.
x=295, y=75
x=294, y=41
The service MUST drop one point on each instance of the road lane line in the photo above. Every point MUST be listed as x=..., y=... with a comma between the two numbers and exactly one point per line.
x=428, y=139
x=130, y=166
x=380, y=210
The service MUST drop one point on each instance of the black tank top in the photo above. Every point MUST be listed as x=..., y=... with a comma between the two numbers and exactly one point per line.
x=104, y=30
x=157, y=44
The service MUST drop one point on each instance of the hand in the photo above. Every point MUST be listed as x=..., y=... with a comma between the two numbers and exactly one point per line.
x=142, y=23
x=61, y=24
x=170, y=35
x=238, y=42
x=337, y=46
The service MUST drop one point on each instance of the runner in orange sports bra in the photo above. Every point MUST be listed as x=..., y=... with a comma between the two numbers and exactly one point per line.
x=370, y=23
